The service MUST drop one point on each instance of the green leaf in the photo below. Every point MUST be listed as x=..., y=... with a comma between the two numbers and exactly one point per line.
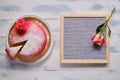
x=99, y=28
x=109, y=32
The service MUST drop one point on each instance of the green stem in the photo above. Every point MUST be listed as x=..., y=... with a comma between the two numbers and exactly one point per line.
x=102, y=29
x=108, y=27
x=106, y=22
x=111, y=14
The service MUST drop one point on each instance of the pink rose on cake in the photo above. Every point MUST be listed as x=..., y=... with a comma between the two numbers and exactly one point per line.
x=21, y=26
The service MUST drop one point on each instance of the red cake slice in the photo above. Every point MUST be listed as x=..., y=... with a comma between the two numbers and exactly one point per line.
x=13, y=51
x=35, y=36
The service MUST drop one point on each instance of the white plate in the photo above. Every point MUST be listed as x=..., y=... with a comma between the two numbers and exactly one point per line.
x=49, y=31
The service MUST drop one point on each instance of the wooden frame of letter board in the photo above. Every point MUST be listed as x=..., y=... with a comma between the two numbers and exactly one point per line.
x=62, y=60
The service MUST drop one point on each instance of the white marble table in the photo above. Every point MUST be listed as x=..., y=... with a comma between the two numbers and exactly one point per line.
x=51, y=69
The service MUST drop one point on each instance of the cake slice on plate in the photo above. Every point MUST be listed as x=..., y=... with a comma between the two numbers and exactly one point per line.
x=13, y=51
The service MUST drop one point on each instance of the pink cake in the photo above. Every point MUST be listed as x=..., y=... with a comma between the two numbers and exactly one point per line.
x=12, y=51
x=27, y=40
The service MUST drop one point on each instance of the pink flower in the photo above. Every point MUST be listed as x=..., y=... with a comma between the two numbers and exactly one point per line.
x=21, y=26
x=97, y=39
